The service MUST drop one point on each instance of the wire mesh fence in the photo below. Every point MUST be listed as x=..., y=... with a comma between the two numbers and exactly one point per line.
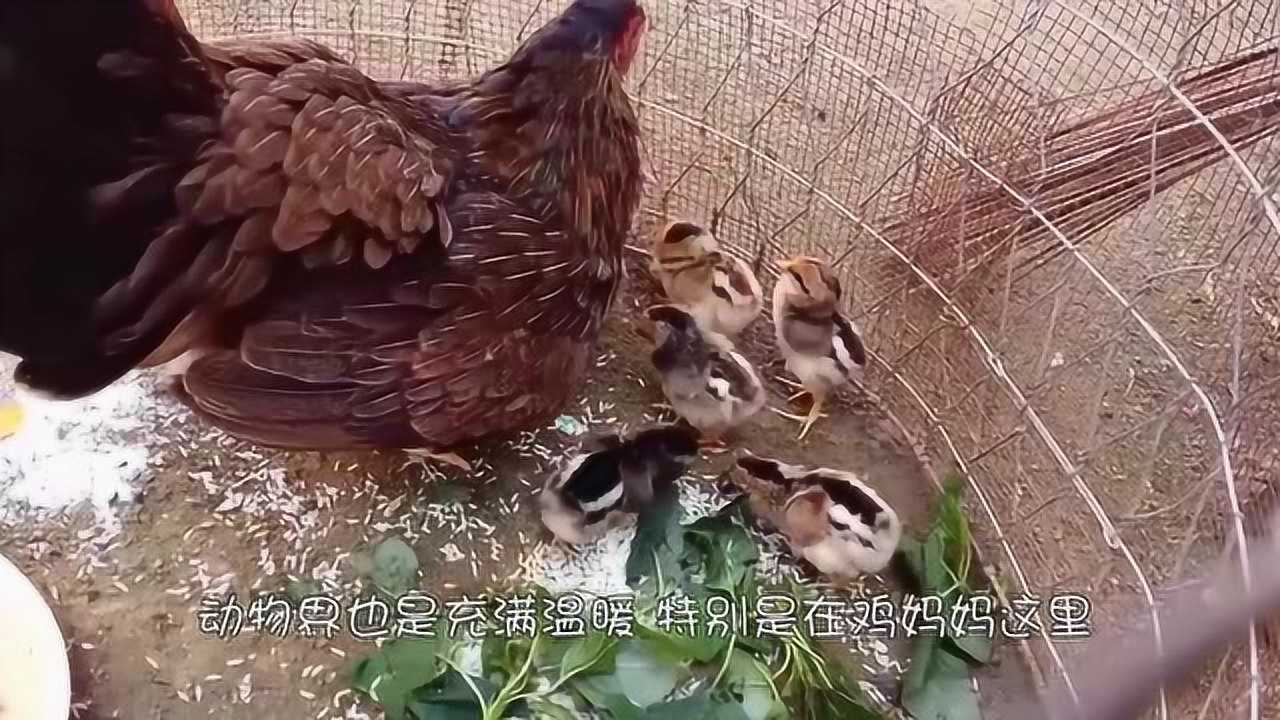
x=1057, y=224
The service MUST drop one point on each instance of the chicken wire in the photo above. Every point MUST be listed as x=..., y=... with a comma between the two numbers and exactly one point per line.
x=1109, y=404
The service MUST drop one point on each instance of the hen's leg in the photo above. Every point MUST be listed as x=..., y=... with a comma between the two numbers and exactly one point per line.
x=448, y=458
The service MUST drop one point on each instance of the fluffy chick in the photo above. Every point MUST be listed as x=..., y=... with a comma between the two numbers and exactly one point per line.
x=822, y=348
x=610, y=476
x=708, y=382
x=720, y=291
x=829, y=517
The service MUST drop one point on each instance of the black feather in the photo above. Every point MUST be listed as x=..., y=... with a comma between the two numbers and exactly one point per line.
x=852, y=341
x=847, y=494
x=596, y=477
x=684, y=344
x=681, y=231
x=765, y=470
x=654, y=454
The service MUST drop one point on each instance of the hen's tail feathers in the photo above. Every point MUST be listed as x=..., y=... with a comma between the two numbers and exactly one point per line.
x=106, y=106
x=274, y=410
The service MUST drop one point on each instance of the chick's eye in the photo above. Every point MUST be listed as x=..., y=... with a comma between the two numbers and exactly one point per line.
x=800, y=280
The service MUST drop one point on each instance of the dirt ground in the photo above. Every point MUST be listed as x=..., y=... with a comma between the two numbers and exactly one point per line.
x=216, y=515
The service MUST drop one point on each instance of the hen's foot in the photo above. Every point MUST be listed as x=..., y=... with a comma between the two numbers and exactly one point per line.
x=448, y=458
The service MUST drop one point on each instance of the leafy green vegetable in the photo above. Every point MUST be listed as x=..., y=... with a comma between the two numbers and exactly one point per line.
x=937, y=684
x=644, y=677
x=395, y=567
x=973, y=648
x=819, y=703
x=391, y=676
x=815, y=687
x=666, y=555
x=657, y=547
x=728, y=552
x=736, y=678
x=699, y=705
x=560, y=708
x=504, y=656
x=452, y=696
x=594, y=654
x=604, y=692
x=679, y=648
x=749, y=680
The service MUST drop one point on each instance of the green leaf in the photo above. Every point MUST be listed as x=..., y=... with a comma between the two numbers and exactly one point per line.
x=679, y=648
x=551, y=653
x=729, y=553
x=972, y=648
x=592, y=654
x=936, y=686
x=700, y=705
x=749, y=681
x=503, y=656
x=658, y=545
x=493, y=656
x=951, y=522
x=604, y=692
x=391, y=676
x=548, y=709
x=936, y=576
x=821, y=703
x=451, y=697
x=395, y=567
x=644, y=677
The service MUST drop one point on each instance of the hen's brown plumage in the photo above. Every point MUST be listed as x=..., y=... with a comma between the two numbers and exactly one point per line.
x=358, y=264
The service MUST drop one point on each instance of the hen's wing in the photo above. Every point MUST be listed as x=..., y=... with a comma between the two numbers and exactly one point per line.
x=482, y=344
x=228, y=165
x=309, y=158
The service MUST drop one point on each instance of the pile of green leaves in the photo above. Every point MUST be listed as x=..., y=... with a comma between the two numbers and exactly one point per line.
x=937, y=685
x=652, y=675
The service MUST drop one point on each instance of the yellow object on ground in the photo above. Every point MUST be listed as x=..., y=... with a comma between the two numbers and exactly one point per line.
x=10, y=417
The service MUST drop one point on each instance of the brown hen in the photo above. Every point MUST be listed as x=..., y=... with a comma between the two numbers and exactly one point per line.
x=344, y=263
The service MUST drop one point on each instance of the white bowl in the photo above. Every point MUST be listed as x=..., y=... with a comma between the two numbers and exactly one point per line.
x=35, y=679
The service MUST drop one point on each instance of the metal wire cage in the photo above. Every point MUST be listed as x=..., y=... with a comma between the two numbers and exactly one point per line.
x=1057, y=223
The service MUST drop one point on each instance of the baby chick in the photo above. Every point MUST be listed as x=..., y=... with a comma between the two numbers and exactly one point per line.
x=708, y=383
x=822, y=347
x=830, y=517
x=610, y=476
x=719, y=290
